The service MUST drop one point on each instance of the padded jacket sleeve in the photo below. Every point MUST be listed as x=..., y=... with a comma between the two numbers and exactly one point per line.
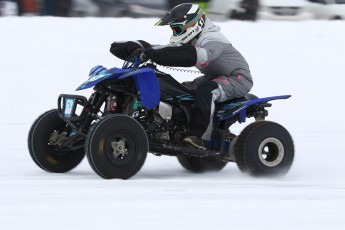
x=179, y=56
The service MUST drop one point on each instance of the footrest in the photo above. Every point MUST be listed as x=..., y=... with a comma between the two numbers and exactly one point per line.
x=181, y=150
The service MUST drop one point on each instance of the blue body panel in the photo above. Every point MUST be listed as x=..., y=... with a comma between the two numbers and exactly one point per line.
x=242, y=106
x=145, y=81
x=148, y=89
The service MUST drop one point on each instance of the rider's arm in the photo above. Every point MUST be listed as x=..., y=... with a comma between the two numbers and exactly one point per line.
x=123, y=49
x=208, y=52
x=182, y=56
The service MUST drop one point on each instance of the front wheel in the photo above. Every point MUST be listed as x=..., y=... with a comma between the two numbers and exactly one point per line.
x=45, y=136
x=116, y=147
x=264, y=148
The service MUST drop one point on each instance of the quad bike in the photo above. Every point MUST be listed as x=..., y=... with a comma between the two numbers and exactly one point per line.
x=138, y=109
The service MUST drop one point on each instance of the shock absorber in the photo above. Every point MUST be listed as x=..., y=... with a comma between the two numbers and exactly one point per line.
x=111, y=103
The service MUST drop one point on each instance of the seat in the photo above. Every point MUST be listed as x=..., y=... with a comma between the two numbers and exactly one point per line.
x=246, y=97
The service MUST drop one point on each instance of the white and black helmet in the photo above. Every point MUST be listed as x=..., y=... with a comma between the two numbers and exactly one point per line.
x=186, y=21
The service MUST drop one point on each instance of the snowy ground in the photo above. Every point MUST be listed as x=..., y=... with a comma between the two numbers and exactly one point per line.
x=43, y=57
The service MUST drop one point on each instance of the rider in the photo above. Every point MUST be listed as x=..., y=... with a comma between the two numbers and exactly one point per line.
x=196, y=41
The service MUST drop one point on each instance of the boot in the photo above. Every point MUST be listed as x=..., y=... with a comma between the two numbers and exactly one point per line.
x=194, y=142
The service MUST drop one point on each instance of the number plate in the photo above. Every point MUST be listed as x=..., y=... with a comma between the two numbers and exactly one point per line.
x=69, y=107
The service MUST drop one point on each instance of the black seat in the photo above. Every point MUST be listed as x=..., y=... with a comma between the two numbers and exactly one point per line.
x=231, y=101
x=246, y=97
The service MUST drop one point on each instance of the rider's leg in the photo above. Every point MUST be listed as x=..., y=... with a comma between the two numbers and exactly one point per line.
x=219, y=89
x=202, y=114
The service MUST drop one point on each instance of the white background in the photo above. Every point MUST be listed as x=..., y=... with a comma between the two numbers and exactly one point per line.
x=43, y=57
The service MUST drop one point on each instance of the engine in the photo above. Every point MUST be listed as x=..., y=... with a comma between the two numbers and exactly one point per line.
x=166, y=124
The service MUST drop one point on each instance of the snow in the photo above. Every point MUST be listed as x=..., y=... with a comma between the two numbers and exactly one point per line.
x=43, y=57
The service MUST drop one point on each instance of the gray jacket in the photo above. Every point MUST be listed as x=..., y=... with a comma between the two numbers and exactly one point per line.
x=216, y=56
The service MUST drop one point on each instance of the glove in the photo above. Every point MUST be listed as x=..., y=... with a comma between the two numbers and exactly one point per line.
x=122, y=50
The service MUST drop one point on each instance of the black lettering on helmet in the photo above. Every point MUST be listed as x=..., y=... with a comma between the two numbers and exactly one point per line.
x=201, y=22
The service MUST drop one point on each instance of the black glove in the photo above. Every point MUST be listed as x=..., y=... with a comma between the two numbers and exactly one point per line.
x=123, y=49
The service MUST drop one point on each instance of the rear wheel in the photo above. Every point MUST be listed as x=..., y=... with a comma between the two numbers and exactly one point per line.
x=116, y=147
x=264, y=148
x=45, y=136
x=199, y=165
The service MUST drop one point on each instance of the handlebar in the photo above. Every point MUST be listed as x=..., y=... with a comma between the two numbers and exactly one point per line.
x=134, y=60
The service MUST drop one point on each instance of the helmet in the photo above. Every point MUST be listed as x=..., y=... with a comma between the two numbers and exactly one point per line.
x=186, y=21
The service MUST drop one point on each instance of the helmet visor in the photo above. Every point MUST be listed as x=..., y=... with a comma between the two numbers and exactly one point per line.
x=177, y=29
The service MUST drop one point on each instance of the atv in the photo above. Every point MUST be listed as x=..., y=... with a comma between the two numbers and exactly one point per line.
x=138, y=109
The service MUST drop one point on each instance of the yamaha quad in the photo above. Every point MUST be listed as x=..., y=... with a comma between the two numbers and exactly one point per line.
x=139, y=109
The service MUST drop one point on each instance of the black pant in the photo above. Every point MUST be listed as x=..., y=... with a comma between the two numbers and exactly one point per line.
x=202, y=109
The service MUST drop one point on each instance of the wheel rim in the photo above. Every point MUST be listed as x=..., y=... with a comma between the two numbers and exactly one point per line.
x=120, y=148
x=54, y=141
x=271, y=152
